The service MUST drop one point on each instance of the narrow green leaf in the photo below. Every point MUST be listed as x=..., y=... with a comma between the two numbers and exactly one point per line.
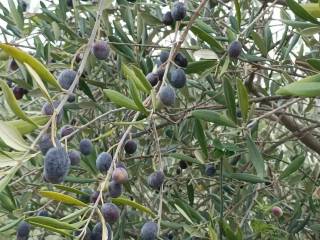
x=200, y=66
x=7, y=202
x=136, y=97
x=172, y=225
x=261, y=44
x=127, y=17
x=200, y=136
x=308, y=32
x=3, y=56
x=230, y=99
x=243, y=98
x=13, y=104
x=293, y=166
x=121, y=48
x=191, y=212
x=267, y=37
x=255, y=157
x=10, y=225
x=301, y=225
x=214, y=117
x=24, y=127
x=204, y=36
x=139, y=74
x=203, y=26
x=62, y=198
x=120, y=99
x=11, y=159
x=183, y=213
x=10, y=174
x=315, y=63
x=315, y=227
x=298, y=24
x=312, y=8
x=227, y=231
x=63, y=232
x=313, y=78
x=130, y=75
x=300, y=11
x=141, y=24
x=51, y=222
x=245, y=177
x=212, y=234
x=301, y=89
x=190, y=191
x=238, y=12
x=150, y=19
x=225, y=66
x=194, y=231
x=38, y=67
x=75, y=215
x=17, y=16
x=293, y=42
x=185, y=158
x=307, y=90
x=11, y=137
x=125, y=201
x=119, y=31
x=39, y=82
x=72, y=179
x=70, y=189
x=83, y=86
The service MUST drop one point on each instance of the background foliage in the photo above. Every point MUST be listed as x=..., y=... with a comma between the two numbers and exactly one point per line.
x=255, y=118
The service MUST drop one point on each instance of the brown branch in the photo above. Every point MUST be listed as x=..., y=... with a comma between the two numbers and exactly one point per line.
x=307, y=138
x=289, y=123
x=302, y=133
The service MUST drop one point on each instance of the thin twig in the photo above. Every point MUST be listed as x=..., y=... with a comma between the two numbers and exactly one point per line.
x=257, y=18
x=243, y=220
x=273, y=111
x=92, y=121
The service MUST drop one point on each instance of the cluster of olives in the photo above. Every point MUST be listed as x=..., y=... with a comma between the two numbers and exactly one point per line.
x=57, y=161
x=177, y=78
x=177, y=13
x=57, y=164
x=100, y=50
x=110, y=211
x=119, y=174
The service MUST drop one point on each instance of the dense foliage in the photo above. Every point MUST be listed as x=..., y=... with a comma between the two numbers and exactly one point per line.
x=159, y=120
